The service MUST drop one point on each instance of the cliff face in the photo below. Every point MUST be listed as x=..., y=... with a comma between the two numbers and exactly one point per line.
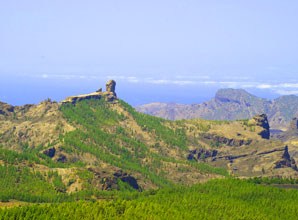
x=262, y=123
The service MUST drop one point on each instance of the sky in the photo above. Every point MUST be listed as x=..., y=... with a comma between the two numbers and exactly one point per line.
x=157, y=50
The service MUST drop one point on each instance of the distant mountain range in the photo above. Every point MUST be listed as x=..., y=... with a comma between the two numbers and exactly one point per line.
x=230, y=104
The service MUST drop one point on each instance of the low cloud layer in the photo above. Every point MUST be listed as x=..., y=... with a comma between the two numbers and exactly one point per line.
x=284, y=88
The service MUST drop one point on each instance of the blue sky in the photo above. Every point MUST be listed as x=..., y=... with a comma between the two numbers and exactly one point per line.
x=166, y=50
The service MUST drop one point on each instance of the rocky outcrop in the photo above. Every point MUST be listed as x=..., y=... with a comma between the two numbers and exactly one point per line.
x=201, y=154
x=261, y=121
x=286, y=160
x=247, y=161
x=109, y=95
x=111, y=86
x=61, y=158
x=124, y=177
x=75, y=99
x=110, y=181
x=50, y=152
x=6, y=109
x=219, y=140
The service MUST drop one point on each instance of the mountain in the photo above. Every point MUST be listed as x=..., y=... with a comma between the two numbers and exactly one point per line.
x=93, y=143
x=229, y=104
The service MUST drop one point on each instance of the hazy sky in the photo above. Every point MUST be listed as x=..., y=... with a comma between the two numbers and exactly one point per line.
x=167, y=50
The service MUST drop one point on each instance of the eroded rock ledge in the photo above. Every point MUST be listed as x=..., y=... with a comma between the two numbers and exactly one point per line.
x=109, y=95
x=261, y=121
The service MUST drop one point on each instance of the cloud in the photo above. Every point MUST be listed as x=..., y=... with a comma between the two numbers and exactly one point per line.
x=133, y=79
x=54, y=76
x=286, y=92
x=193, y=77
x=289, y=85
x=167, y=82
x=279, y=88
x=285, y=88
x=67, y=76
x=237, y=78
x=264, y=86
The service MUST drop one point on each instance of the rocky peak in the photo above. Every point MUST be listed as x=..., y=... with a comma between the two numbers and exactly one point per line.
x=111, y=86
x=262, y=122
x=233, y=95
x=109, y=95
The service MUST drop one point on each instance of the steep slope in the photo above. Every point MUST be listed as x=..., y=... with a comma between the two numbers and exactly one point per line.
x=229, y=104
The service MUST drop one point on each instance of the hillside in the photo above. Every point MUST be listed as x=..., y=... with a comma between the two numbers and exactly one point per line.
x=229, y=104
x=93, y=143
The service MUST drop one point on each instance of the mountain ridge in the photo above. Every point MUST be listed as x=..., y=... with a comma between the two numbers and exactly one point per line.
x=90, y=144
x=229, y=104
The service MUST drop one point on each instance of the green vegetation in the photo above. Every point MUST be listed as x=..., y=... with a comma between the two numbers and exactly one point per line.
x=13, y=157
x=100, y=134
x=31, y=176
x=31, y=156
x=206, y=168
x=273, y=180
x=112, y=146
x=173, y=137
x=217, y=199
x=20, y=183
x=153, y=150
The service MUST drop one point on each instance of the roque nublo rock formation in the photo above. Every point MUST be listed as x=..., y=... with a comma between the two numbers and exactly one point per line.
x=109, y=95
